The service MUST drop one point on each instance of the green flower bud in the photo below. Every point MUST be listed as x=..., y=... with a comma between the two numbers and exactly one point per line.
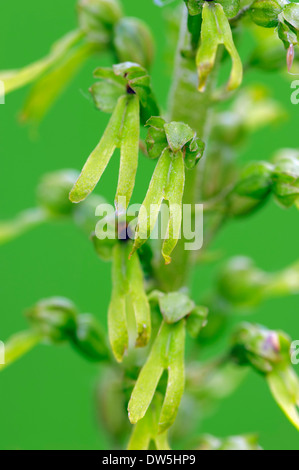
x=263, y=349
x=265, y=13
x=90, y=340
x=85, y=213
x=291, y=14
x=256, y=180
x=104, y=248
x=287, y=35
x=133, y=42
x=98, y=17
x=229, y=128
x=53, y=192
x=241, y=282
x=54, y=319
x=286, y=177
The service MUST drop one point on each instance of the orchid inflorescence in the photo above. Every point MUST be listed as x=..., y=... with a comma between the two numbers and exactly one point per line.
x=150, y=320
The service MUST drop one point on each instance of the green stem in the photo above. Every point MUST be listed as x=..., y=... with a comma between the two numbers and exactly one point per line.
x=23, y=223
x=188, y=105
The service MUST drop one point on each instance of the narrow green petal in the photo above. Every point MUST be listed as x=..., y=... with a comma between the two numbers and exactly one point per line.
x=50, y=86
x=117, y=320
x=139, y=301
x=100, y=157
x=215, y=31
x=176, y=376
x=18, y=346
x=129, y=152
x=284, y=386
x=236, y=75
x=117, y=324
x=14, y=79
x=206, y=55
x=149, y=377
x=174, y=195
x=150, y=208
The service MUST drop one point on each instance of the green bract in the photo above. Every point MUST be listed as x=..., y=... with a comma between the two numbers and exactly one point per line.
x=133, y=42
x=54, y=319
x=216, y=31
x=265, y=13
x=98, y=17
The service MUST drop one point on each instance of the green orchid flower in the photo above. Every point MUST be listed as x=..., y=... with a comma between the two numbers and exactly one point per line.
x=126, y=91
x=127, y=293
x=178, y=147
x=216, y=31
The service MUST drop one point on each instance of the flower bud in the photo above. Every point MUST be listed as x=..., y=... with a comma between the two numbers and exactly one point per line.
x=286, y=177
x=265, y=13
x=241, y=282
x=54, y=319
x=287, y=34
x=85, y=213
x=229, y=128
x=291, y=14
x=53, y=192
x=90, y=340
x=133, y=42
x=256, y=180
x=260, y=348
x=98, y=17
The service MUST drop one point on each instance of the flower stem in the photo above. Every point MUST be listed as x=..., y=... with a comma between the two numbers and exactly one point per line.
x=188, y=105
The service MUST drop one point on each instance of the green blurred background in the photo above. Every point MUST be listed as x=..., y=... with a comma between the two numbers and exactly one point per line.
x=47, y=398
